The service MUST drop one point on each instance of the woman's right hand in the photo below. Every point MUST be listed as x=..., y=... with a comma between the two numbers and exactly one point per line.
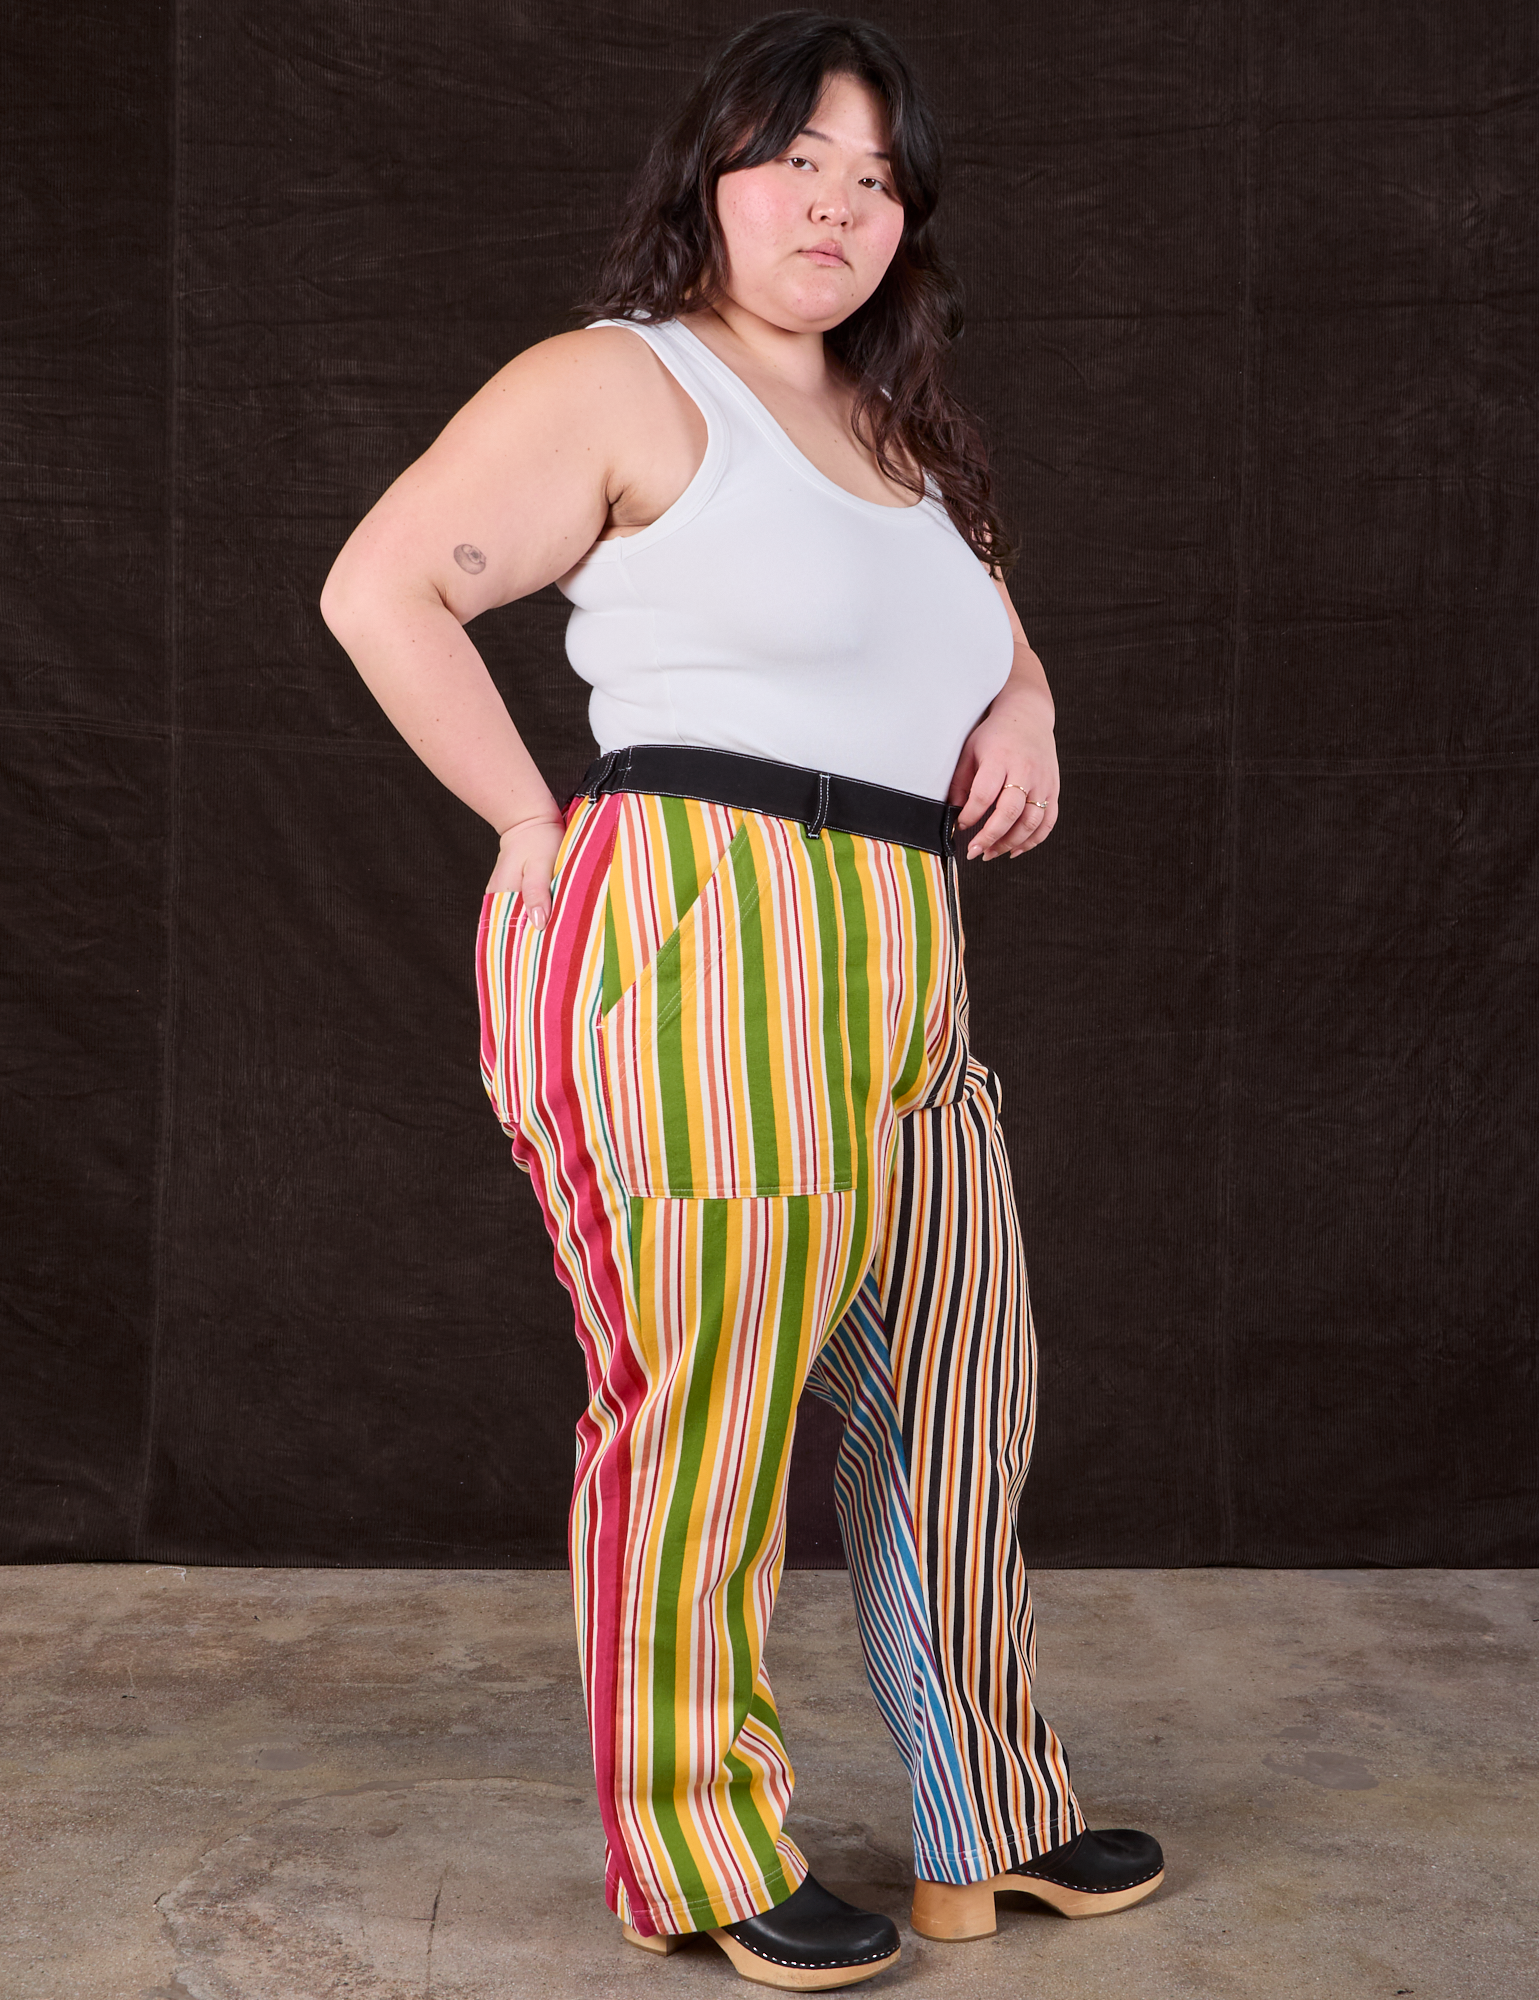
x=526, y=860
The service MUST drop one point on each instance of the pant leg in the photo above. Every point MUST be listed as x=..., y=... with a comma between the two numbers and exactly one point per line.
x=699, y=1064
x=934, y=1369
x=678, y=1542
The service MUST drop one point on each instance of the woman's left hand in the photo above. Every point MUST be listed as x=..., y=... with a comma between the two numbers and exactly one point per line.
x=1006, y=779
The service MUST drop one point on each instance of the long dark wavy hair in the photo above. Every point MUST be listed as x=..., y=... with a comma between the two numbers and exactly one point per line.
x=668, y=255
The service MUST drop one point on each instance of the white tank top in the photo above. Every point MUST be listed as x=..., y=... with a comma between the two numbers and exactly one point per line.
x=771, y=612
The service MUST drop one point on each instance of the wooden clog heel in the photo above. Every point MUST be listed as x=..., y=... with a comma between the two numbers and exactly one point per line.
x=658, y=1943
x=952, y=1912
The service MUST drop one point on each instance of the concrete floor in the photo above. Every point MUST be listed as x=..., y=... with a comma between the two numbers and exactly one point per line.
x=295, y=1784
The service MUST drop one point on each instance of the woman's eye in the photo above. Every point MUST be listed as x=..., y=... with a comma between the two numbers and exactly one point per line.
x=796, y=160
x=870, y=180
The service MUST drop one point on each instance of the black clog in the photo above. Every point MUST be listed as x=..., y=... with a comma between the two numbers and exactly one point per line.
x=1092, y=1875
x=1095, y=1873
x=810, y=1943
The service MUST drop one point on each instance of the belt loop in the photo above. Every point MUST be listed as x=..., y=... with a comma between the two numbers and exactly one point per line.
x=949, y=820
x=606, y=772
x=816, y=823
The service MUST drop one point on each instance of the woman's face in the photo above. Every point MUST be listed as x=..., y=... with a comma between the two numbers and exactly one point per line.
x=810, y=234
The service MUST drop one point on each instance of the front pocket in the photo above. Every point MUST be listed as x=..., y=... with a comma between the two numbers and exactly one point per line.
x=664, y=854
x=511, y=950
x=724, y=1062
x=499, y=938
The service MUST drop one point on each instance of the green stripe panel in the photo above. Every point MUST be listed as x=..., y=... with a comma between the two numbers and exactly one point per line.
x=765, y=1087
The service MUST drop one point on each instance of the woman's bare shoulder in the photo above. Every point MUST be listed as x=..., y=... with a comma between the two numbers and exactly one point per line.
x=589, y=364
x=595, y=394
x=597, y=405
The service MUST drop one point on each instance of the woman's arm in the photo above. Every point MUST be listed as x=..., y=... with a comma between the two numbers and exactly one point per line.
x=510, y=496
x=1013, y=742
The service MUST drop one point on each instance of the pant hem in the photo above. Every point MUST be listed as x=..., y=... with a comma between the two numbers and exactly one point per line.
x=960, y=1866
x=702, y=1913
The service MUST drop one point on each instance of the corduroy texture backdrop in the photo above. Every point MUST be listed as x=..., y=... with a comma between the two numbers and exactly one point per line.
x=1252, y=322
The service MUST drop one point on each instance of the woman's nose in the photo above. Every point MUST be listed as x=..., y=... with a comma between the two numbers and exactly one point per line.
x=832, y=206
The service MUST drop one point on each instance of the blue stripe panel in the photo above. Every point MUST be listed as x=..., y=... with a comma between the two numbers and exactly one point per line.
x=853, y=1372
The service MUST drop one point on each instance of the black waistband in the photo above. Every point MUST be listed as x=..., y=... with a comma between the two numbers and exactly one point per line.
x=789, y=791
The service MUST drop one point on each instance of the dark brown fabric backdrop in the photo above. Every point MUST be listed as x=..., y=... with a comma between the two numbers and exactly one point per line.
x=1252, y=322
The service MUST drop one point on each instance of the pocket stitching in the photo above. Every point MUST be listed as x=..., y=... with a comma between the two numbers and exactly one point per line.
x=607, y=1038
x=674, y=937
x=744, y=908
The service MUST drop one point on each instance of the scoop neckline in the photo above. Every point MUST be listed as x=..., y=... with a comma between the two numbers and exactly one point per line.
x=782, y=439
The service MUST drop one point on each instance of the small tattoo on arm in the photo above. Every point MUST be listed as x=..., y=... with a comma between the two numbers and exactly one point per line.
x=471, y=558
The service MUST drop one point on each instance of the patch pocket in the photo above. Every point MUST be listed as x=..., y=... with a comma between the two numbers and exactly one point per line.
x=723, y=1064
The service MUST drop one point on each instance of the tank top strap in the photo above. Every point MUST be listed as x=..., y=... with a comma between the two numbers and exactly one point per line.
x=685, y=360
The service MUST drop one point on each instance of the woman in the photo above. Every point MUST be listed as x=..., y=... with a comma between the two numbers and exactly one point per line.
x=723, y=1005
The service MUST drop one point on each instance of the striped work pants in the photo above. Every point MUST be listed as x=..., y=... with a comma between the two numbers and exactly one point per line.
x=734, y=1063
